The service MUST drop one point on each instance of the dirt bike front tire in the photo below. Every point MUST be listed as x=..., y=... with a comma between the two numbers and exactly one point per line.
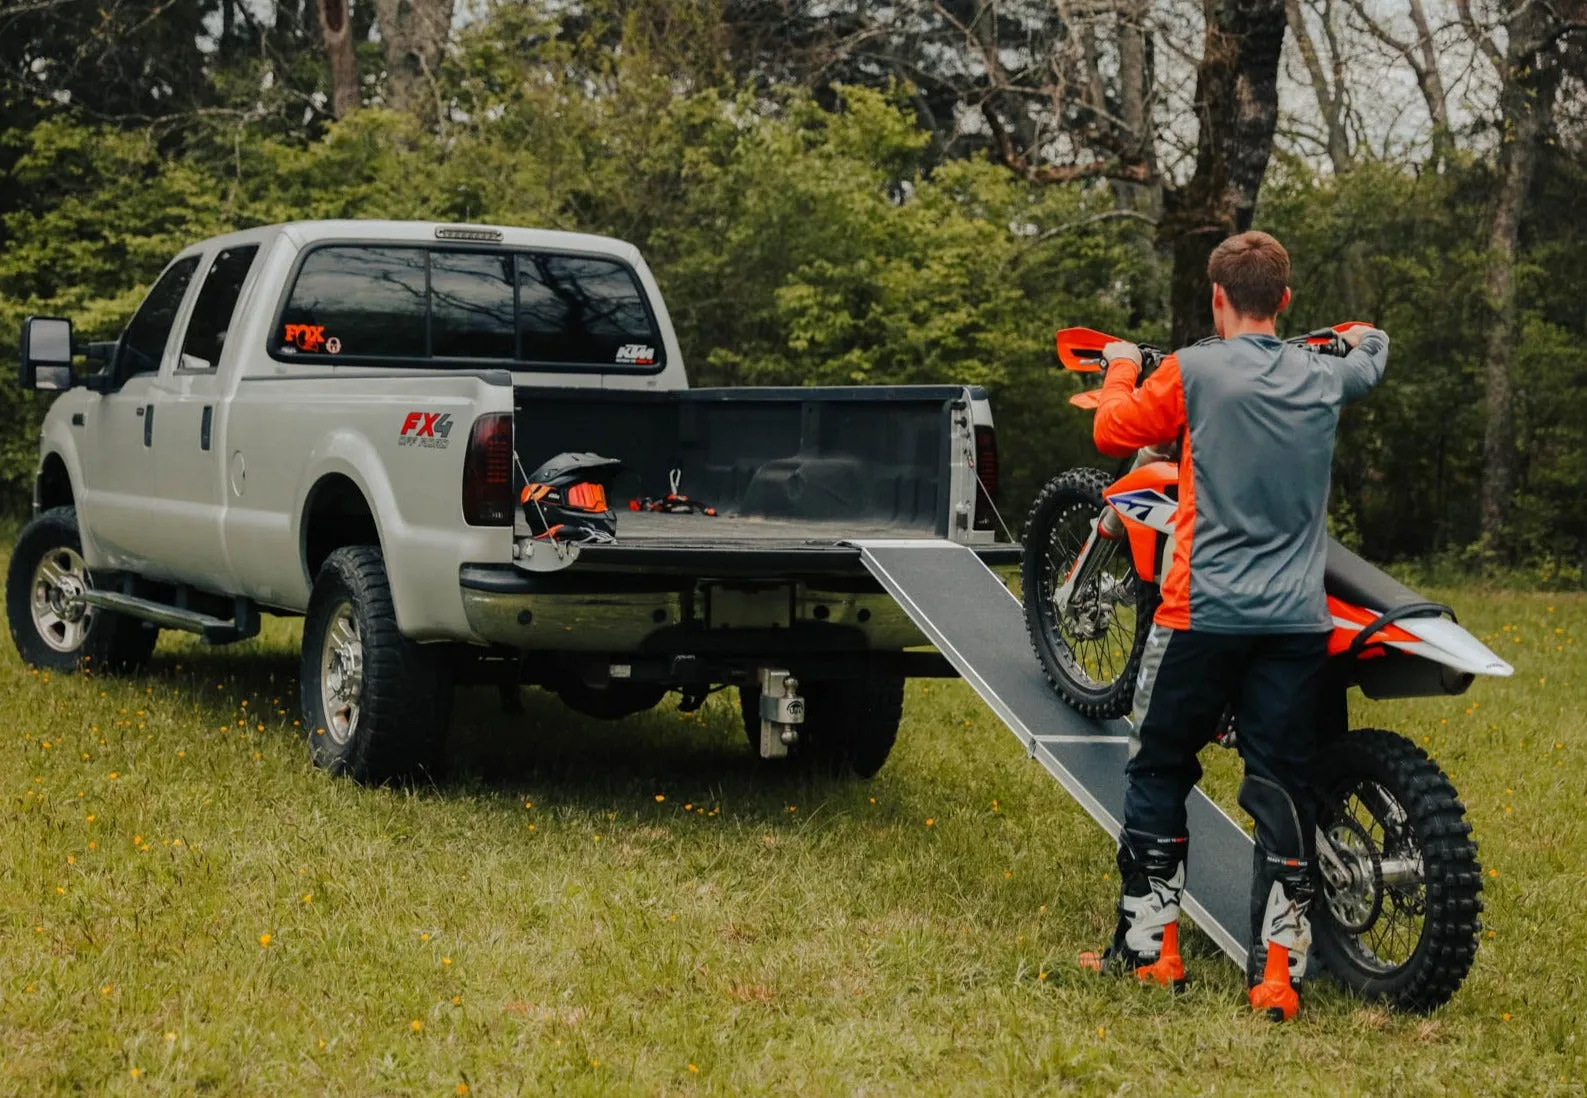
x=1073, y=494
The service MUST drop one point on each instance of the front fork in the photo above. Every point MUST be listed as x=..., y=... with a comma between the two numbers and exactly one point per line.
x=1108, y=526
x=1080, y=570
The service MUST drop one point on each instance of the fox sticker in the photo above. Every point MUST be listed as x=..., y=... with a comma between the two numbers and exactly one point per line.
x=307, y=337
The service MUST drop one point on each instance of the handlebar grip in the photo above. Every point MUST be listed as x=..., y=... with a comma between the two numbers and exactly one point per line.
x=1324, y=341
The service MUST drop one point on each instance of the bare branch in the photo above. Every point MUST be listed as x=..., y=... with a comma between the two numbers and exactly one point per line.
x=1480, y=37
x=1100, y=169
x=1379, y=31
x=1106, y=215
x=27, y=7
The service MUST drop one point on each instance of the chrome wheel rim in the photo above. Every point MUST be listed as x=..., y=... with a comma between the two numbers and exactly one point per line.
x=342, y=674
x=60, y=615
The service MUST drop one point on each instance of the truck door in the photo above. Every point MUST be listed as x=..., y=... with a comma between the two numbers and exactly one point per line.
x=189, y=457
x=119, y=503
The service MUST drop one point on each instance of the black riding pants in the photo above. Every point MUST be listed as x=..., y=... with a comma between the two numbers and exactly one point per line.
x=1271, y=682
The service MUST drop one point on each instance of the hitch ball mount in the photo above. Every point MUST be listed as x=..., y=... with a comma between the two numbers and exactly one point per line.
x=782, y=711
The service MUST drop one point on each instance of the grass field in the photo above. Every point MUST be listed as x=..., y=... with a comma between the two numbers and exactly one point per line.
x=187, y=907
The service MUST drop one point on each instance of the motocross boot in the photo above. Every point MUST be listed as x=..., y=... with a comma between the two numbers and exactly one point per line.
x=1277, y=961
x=1146, y=937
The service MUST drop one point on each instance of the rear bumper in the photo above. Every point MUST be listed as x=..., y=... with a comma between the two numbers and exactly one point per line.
x=667, y=600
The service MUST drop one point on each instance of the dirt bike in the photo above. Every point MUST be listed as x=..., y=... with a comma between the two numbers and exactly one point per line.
x=1398, y=874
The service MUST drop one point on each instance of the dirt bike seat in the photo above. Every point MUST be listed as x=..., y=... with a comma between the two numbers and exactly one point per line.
x=1352, y=579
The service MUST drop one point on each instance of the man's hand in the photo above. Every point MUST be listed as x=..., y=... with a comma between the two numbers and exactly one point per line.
x=1121, y=350
x=1351, y=335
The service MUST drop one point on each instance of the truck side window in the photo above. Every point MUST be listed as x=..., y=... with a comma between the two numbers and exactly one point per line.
x=471, y=303
x=212, y=312
x=357, y=300
x=143, y=343
x=579, y=309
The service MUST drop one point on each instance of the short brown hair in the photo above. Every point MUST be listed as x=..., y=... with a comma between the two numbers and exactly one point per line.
x=1253, y=270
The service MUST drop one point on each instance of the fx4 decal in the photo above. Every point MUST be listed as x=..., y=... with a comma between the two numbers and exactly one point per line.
x=639, y=354
x=430, y=430
x=308, y=337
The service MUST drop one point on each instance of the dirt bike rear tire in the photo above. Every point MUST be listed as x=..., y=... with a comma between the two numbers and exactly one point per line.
x=1080, y=488
x=1452, y=877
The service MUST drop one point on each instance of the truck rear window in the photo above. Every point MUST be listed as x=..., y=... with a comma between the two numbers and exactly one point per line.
x=395, y=305
x=579, y=309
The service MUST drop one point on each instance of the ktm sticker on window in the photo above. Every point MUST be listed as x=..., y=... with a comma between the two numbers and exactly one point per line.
x=637, y=354
x=308, y=337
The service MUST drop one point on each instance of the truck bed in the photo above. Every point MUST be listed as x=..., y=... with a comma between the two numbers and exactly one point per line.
x=794, y=469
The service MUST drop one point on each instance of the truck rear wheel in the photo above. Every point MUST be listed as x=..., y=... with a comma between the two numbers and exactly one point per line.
x=850, y=724
x=376, y=705
x=50, y=627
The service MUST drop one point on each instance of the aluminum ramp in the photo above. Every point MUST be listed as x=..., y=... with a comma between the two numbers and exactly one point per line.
x=976, y=622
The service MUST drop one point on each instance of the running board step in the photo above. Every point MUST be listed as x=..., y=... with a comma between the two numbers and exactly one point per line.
x=976, y=622
x=213, y=630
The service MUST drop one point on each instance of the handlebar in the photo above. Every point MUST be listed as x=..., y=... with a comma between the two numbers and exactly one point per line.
x=1080, y=349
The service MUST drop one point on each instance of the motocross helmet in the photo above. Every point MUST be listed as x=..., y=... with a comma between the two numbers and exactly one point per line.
x=565, y=499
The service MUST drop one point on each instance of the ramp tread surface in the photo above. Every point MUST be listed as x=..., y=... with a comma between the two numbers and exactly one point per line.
x=976, y=622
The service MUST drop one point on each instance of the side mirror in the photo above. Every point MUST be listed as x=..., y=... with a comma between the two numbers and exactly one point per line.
x=47, y=353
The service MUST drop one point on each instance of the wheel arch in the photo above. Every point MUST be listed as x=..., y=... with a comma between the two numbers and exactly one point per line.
x=52, y=487
x=336, y=513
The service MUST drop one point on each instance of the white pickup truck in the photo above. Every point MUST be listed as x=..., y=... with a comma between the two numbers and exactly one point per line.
x=334, y=419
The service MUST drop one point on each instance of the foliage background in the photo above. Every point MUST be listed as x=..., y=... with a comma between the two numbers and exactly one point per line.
x=815, y=236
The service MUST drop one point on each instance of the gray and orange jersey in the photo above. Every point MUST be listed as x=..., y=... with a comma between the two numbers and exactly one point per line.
x=1256, y=418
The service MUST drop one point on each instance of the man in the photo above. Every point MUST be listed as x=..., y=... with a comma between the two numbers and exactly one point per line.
x=1244, y=621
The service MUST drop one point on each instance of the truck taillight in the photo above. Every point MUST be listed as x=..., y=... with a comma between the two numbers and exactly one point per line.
x=986, y=472
x=487, y=472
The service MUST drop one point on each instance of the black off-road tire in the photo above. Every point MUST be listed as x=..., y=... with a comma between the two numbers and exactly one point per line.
x=112, y=644
x=850, y=724
x=1077, y=489
x=1452, y=923
x=405, y=697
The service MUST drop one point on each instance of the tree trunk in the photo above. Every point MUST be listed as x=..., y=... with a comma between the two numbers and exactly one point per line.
x=338, y=32
x=414, y=33
x=1135, y=78
x=1431, y=82
x=1237, y=100
x=1330, y=95
x=1526, y=101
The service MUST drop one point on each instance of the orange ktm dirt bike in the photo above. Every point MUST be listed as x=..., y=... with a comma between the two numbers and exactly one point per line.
x=1398, y=872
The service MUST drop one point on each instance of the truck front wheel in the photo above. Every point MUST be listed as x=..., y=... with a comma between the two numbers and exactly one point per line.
x=376, y=705
x=51, y=627
x=850, y=724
